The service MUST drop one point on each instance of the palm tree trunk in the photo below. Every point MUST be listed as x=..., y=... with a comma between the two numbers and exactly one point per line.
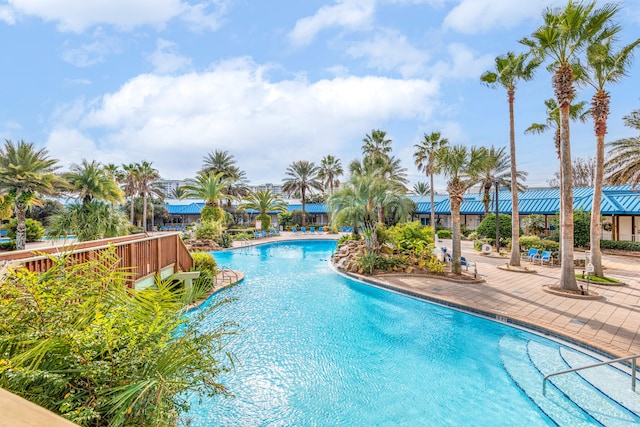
x=600, y=112
x=144, y=211
x=567, y=273
x=304, y=220
x=432, y=219
x=131, y=210
x=456, y=251
x=21, y=229
x=515, y=215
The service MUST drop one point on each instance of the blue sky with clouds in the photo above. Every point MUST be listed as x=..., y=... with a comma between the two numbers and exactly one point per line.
x=169, y=81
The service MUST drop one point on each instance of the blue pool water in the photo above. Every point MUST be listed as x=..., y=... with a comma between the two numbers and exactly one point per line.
x=318, y=349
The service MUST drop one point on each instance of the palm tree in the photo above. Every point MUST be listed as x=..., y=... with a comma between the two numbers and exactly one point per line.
x=330, y=170
x=376, y=145
x=130, y=181
x=302, y=177
x=462, y=167
x=496, y=169
x=623, y=166
x=606, y=66
x=357, y=201
x=563, y=37
x=425, y=159
x=220, y=161
x=511, y=68
x=26, y=173
x=177, y=193
x=209, y=186
x=264, y=202
x=91, y=181
x=421, y=188
x=146, y=175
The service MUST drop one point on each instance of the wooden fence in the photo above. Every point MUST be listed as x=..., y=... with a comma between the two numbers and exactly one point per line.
x=140, y=254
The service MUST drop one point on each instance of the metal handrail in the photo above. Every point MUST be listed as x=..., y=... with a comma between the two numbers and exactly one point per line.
x=227, y=272
x=609, y=362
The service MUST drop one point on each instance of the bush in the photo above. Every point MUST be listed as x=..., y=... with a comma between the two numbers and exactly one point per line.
x=622, y=245
x=204, y=261
x=444, y=234
x=473, y=235
x=8, y=246
x=225, y=240
x=35, y=230
x=208, y=230
x=581, y=228
x=241, y=236
x=528, y=242
x=367, y=262
x=487, y=227
x=266, y=221
x=211, y=213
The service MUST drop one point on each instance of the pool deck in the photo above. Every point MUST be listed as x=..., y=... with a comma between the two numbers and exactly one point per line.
x=610, y=325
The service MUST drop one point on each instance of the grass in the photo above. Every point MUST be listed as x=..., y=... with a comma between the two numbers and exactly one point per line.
x=595, y=279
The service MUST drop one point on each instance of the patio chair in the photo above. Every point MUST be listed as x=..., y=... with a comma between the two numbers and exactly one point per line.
x=531, y=255
x=465, y=263
x=263, y=233
x=545, y=256
x=312, y=230
x=294, y=230
x=303, y=230
x=320, y=230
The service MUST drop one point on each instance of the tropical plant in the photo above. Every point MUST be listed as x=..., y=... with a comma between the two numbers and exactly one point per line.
x=564, y=36
x=146, y=176
x=534, y=224
x=376, y=145
x=495, y=170
x=462, y=167
x=607, y=66
x=329, y=171
x=487, y=227
x=35, y=230
x=220, y=161
x=623, y=165
x=207, y=186
x=302, y=178
x=130, y=181
x=91, y=181
x=77, y=341
x=425, y=158
x=25, y=174
x=509, y=69
x=265, y=202
x=421, y=188
x=91, y=221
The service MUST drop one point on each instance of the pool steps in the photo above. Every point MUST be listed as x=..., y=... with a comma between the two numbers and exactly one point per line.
x=575, y=398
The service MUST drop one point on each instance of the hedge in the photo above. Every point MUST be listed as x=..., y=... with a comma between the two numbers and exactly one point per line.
x=623, y=245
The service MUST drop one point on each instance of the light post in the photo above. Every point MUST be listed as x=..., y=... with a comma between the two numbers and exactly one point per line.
x=496, y=183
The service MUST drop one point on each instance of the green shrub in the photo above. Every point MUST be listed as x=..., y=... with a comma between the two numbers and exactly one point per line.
x=208, y=230
x=241, y=236
x=390, y=262
x=487, y=227
x=581, y=228
x=8, y=246
x=35, y=230
x=204, y=261
x=623, y=245
x=473, y=235
x=266, y=221
x=211, y=213
x=368, y=262
x=444, y=234
x=225, y=240
x=528, y=242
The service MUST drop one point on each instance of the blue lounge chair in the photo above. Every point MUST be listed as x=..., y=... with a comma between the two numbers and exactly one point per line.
x=465, y=263
x=312, y=230
x=531, y=255
x=294, y=230
x=545, y=256
x=303, y=230
x=272, y=233
x=256, y=235
x=263, y=233
x=320, y=230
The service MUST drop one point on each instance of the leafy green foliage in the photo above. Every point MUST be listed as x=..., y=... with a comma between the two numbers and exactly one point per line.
x=444, y=233
x=76, y=340
x=415, y=242
x=367, y=262
x=90, y=221
x=534, y=224
x=266, y=221
x=620, y=245
x=581, y=228
x=211, y=213
x=225, y=240
x=208, y=230
x=204, y=261
x=35, y=230
x=528, y=242
x=487, y=227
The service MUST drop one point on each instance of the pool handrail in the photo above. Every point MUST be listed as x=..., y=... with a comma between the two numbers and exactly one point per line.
x=608, y=362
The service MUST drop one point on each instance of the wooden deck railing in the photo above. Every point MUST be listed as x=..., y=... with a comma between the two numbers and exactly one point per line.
x=140, y=254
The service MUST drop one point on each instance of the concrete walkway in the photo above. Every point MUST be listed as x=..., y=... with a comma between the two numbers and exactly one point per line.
x=610, y=325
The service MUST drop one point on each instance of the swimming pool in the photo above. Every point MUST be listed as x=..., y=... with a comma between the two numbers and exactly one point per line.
x=318, y=349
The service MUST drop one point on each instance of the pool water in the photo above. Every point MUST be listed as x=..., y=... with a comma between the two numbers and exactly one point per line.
x=318, y=349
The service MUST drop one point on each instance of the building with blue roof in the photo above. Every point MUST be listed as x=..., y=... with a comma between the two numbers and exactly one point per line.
x=620, y=209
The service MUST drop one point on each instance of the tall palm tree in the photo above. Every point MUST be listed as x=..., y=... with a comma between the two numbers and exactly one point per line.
x=207, y=186
x=264, y=202
x=421, y=188
x=623, y=165
x=425, y=158
x=496, y=169
x=91, y=181
x=376, y=145
x=218, y=161
x=146, y=176
x=509, y=69
x=302, y=178
x=606, y=66
x=564, y=36
x=462, y=168
x=330, y=170
x=25, y=174
x=130, y=182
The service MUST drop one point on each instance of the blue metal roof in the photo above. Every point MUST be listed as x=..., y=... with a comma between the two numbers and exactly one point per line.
x=311, y=208
x=190, y=209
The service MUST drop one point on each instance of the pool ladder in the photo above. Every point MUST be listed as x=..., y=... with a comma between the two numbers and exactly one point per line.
x=634, y=368
x=227, y=275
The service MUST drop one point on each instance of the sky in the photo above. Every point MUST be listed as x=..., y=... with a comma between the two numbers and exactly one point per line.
x=273, y=82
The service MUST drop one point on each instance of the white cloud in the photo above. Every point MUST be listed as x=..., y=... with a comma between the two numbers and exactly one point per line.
x=463, y=63
x=478, y=16
x=77, y=16
x=389, y=50
x=7, y=15
x=349, y=14
x=175, y=120
x=166, y=59
x=92, y=53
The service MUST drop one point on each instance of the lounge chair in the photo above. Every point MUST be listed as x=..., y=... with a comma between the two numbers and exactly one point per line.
x=263, y=233
x=320, y=230
x=303, y=230
x=465, y=263
x=531, y=255
x=545, y=256
x=294, y=230
x=312, y=230
x=256, y=235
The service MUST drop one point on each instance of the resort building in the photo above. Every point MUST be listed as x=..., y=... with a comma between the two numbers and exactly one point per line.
x=620, y=209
